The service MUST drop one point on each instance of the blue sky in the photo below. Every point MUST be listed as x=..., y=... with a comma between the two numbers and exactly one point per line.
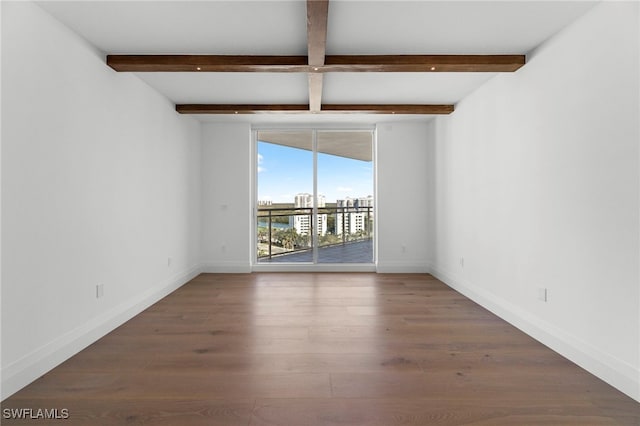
x=284, y=172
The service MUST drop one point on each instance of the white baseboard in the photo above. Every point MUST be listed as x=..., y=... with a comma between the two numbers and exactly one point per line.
x=402, y=267
x=619, y=374
x=20, y=373
x=226, y=267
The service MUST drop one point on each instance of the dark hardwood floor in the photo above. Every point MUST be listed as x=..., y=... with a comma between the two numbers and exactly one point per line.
x=300, y=349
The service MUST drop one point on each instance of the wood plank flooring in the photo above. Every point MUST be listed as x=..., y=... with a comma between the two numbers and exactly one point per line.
x=306, y=349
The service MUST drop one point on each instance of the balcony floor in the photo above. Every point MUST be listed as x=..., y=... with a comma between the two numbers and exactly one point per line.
x=352, y=252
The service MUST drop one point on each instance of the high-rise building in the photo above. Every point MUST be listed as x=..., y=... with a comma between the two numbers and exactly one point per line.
x=306, y=200
x=354, y=214
x=302, y=222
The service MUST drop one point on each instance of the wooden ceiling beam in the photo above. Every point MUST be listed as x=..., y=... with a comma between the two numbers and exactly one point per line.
x=423, y=63
x=207, y=63
x=332, y=63
x=315, y=64
x=315, y=91
x=304, y=109
x=387, y=109
x=241, y=109
x=317, y=15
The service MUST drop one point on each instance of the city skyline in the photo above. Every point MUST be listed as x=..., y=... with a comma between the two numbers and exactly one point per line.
x=284, y=172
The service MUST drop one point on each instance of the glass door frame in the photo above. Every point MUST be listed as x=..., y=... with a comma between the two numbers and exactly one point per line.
x=314, y=265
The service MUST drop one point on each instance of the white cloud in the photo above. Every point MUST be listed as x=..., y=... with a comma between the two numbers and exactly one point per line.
x=260, y=161
x=344, y=189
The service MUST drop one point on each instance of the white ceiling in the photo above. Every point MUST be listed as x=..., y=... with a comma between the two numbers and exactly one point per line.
x=279, y=28
x=446, y=27
x=410, y=88
x=230, y=88
x=347, y=144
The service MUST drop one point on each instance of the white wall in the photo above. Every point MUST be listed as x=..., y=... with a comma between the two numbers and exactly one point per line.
x=1, y=68
x=402, y=159
x=226, y=197
x=401, y=197
x=536, y=185
x=100, y=185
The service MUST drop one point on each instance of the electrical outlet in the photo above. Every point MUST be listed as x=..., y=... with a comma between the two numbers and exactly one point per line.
x=99, y=291
x=542, y=294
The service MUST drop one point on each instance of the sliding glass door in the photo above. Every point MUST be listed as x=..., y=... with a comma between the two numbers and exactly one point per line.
x=314, y=197
x=345, y=189
x=285, y=196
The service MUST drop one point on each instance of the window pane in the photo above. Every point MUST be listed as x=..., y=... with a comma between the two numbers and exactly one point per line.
x=285, y=195
x=345, y=192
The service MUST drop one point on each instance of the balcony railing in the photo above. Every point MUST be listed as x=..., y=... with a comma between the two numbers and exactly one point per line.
x=284, y=231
